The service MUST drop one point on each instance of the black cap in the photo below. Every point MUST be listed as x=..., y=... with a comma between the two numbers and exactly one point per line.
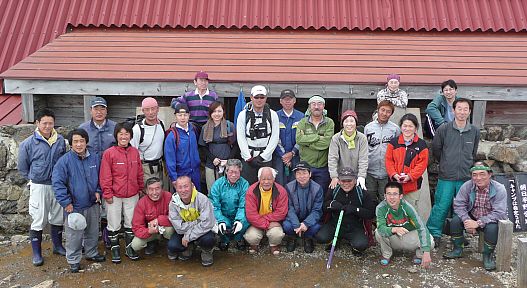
x=346, y=173
x=181, y=106
x=287, y=93
x=302, y=165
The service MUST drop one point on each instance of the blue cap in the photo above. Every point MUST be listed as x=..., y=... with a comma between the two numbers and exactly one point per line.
x=98, y=101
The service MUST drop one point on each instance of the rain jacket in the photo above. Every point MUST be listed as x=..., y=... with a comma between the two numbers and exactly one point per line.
x=121, y=172
x=279, y=203
x=183, y=158
x=147, y=210
x=228, y=200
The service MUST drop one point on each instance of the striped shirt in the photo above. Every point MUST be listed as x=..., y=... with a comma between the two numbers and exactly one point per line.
x=198, y=106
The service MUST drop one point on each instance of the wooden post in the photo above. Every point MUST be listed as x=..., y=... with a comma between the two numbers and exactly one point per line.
x=522, y=263
x=480, y=108
x=481, y=241
x=504, y=247
x=87, y=107
x=28, y=109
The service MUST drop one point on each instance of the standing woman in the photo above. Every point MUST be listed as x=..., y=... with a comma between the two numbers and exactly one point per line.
x=348, y=148
x=218, y=141
x=121, y=179
x=407, y=159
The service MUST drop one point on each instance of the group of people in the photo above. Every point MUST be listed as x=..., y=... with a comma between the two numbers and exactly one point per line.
x=281, y=174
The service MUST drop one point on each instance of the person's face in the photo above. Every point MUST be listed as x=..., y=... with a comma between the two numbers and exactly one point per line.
x=233, y=174
x=302, y=176
x=449, y=92
x=347, y=185
x=154, y=191
x=182, y=118
x=78, y=144
x=393, y=197
x=408, y=129
x=384, y=114
x=481, y=178
x=316, y=108
x=217, y=114
x=393, y=85
x=259, y=101
x=184, y=189
x=151, y=113
x=349, y=125
x=462, y=111
x=266, y=179
x=45, y=125
x=98, y=113
x=201, y=83
x=288, y=103
x=123, y=138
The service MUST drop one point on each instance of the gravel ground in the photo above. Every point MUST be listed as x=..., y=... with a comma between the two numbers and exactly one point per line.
x=238, y=269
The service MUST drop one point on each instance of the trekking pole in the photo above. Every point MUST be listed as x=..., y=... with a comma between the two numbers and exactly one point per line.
x=328, y=265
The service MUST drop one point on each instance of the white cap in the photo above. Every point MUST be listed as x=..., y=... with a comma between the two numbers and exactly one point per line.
x=76, y=221
x=258, y=90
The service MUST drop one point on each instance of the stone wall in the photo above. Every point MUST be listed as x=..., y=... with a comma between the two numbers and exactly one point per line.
x=504, y=148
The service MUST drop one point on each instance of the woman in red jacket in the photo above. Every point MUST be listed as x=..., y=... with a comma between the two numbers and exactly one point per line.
x=407, y=159
x=121, y=179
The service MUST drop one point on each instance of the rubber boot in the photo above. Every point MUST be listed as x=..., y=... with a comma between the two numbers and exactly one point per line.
x=457, y=251
x=488, y=257
x=129, y=251
x=291, y=243
x=56, y=238
x=207, y=258
x=104, y=234
x=115, y=249
x=36, y=241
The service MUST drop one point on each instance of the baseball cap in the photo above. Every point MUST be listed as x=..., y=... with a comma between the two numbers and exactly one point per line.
x=302, y=165
x=287, y=93
x=201, y=74
x=258, y=90
x=98, y=101
x=346, y=173
x=76, y=221
x=181, y=108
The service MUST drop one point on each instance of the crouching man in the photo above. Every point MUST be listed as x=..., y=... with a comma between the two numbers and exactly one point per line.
x=192, y=216
x=75, y=181
x=478, y=206
x=399, y=227
x=265, y=208
x=150, y=221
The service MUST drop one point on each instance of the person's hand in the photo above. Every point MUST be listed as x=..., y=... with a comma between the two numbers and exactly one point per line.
x=98, y=198
x=349, y=208
x=222, y=227
x=287, y=157
x=334, y=183
x=403, y=178
x=335, y=205
x=223, y=162
x=426, y=260
x=362, y=183
x=397, y=178
x=471, y=231
x=237, y=227
x=184, y=243
x=273, y=224
x=216, y=161
x=400, y=231
x=471, y=224
x=69, y=208
x=109, y=200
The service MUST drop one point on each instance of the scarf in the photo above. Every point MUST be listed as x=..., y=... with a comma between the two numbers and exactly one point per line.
x=208, y=130
x=187, y=213
x=350, y=139
x=52, y=139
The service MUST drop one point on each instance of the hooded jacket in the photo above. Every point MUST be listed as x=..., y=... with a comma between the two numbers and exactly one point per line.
x=183, y=158
x=378, y=136
x=193, y=220
x=437, y=110
x=147, y=210
x=228, y=200
x=341, y=156
x=279, y=203
x=121, y=172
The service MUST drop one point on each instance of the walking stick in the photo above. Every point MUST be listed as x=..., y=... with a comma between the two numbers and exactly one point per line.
x=328, y=265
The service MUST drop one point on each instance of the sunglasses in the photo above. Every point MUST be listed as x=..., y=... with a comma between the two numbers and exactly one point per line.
x=259, y=97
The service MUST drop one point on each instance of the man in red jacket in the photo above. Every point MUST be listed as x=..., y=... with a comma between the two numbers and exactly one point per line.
x=150, y=220
x=266, y=206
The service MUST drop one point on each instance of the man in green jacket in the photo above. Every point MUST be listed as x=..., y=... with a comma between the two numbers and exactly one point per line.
x=313, y=135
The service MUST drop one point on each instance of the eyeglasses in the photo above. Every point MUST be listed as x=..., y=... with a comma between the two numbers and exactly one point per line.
x=259, y=97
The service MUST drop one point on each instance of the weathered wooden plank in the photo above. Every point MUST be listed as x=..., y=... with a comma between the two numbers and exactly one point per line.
x=28, y=110
x=480, y=107
x=522, y=263
x=481, y=241
x=504, y=246
x=87, y=107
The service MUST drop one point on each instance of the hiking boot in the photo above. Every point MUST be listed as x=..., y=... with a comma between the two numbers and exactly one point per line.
x=185, y=255
x=151, y=248
x=97, y=258
x=223, y=246
x=36, y=245
x=56, y=239
x=206, y=257
x=457, y=250
x=171, y=256
x=488, y=257
x=105, y=234
x=309, y=245
x=290, y=245
x=241, y=245
x=129, y=251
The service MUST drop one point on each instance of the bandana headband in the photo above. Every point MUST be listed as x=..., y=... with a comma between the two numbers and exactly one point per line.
x=480, y=168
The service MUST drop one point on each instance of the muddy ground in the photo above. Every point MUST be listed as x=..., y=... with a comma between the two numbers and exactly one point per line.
x=238, y=269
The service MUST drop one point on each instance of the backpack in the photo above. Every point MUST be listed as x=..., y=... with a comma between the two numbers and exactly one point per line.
x=258, y=131
x=131, y=121
x=176, y=132
x=429, y=129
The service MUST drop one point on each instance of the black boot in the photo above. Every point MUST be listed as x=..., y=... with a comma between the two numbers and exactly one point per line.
x=290, y=243
x=115, y=249
x=151, y=248
x=309, y=245
x=36, y=241
x=104, y=234
x=129, y=251
x=56, y=238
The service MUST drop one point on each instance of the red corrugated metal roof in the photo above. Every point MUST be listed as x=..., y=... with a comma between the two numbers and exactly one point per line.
x=11, y=112
x=420, y=58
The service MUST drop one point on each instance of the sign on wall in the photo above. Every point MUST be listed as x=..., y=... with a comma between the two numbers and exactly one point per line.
x=516, y=186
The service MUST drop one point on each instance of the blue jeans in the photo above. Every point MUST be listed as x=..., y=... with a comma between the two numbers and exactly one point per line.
x=206, y=242
x=310, y=233
x=490, y=231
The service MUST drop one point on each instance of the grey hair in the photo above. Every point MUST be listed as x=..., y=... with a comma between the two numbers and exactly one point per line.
x=233, y=163
x=273, y=171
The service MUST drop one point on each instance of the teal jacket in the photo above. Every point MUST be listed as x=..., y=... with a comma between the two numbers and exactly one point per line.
x=229, y=201
x=437, y=110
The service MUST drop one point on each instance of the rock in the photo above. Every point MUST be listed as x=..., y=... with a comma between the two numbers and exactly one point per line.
x=494, y=133
x=106, y=281
x=7, y=207
x=521, y=133
x=179, y=276
x=508, y=132
x=385, y=275
x=520, y=167
x=506, y=141
x=14, y=223
x=16, y=286
x=396, y=286
x=412, y=270
x=8, y=278
x=506, y=168
x=19, y=238
x=95, y=266
x=14, y=193
x=504, y=153
x=484, y=148
x=22, y=204
x=45, y=284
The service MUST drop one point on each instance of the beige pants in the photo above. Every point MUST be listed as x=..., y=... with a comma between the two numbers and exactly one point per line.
x=139, y=243
x=407, y=242
x=120, y=207
x=147, y=173
x=43, y=207
x=253, y=236
x=210, y=178
x=412, y=198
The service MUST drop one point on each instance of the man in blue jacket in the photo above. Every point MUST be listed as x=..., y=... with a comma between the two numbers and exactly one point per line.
x=76, y=184
x=286, y=155
x=305, y=208
x=36, y=156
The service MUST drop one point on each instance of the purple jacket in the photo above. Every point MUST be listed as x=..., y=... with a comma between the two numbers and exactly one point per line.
x=464, y=202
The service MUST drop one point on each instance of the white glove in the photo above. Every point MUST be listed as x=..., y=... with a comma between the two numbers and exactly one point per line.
x=362, y=183
x=237, y=227
x=222, y=227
